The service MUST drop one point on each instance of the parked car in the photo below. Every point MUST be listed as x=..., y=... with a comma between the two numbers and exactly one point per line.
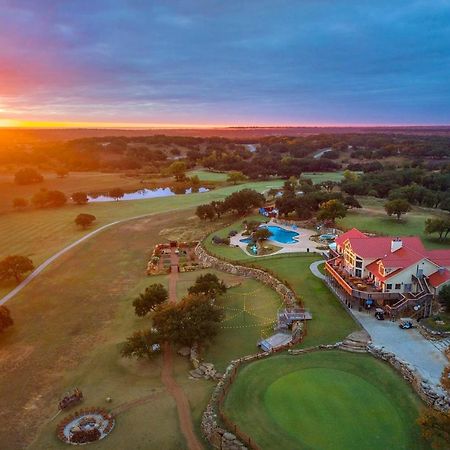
x=406, y=324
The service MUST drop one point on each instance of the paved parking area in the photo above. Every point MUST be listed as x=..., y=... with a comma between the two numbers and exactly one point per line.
x=408, y=345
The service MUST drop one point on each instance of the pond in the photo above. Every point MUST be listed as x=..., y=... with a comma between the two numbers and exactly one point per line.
x=142, y=194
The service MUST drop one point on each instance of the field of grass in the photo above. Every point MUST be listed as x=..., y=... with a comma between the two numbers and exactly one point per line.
x=325, y=400
x=373, y=218
x=318, y=177
x=206, y=175
x=25, y=232
x=250, y=313
x=69, y=325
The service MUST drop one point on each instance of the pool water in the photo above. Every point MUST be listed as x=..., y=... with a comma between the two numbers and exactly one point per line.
x=278, y=235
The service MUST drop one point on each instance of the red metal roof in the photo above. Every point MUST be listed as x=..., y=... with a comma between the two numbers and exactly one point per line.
x=439, y=257
x=380, y=247
x=353, y=233
x=439, y=277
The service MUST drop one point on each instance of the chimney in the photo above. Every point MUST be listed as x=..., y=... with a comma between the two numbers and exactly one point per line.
x=396, y=244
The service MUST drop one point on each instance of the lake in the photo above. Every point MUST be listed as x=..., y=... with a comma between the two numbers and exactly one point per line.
x=142, y=194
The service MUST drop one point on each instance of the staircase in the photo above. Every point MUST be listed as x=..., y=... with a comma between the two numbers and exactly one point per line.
x=356, y=342
x=408, y=301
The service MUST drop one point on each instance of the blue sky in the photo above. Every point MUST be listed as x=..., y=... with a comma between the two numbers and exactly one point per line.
x=226, y=62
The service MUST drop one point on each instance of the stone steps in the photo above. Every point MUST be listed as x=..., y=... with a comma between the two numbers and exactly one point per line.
x=442, y=344
x=356, y=342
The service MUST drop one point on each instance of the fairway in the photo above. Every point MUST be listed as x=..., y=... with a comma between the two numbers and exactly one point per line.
x=206, y=175
x=325, y=400
x=318, y=177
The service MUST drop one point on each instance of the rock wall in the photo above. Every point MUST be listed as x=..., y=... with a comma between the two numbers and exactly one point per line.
x=438, y=400
x=217, y=436
x=207, y=260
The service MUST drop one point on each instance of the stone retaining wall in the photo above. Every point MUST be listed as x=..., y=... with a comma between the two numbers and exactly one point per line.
x=432, y=334
x=217, y=436
x=207, y=260
x=427, y=392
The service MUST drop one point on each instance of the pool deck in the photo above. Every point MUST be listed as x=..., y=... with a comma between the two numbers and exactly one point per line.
x=301, y=246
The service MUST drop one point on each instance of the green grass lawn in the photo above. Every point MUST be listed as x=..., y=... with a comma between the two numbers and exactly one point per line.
x=325, y=400
x=39, y=233
x=69, y=325
x=318, y=177
x=373, y=218
x=330, y=322
x=250, y=313
x=206, y=175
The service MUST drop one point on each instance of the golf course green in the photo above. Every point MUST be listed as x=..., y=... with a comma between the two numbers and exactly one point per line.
x=325, y=400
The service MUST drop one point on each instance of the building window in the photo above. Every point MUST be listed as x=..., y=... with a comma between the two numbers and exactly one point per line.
x=389, y=286
x=358, y=273
x=359, y=264
x=398, y=286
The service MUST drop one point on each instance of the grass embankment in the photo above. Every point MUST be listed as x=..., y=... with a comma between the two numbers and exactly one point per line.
x=325, y=400
x=373, y=218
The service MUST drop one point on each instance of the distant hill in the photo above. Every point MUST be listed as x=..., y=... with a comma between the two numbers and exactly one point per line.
x=24, y=135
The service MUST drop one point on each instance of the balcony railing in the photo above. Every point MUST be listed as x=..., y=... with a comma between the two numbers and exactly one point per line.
x=356, y=293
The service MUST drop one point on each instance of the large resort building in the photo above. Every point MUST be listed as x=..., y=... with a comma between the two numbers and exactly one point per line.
x=394, y=273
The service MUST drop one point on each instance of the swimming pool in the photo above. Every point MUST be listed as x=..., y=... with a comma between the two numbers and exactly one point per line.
x=278, y=235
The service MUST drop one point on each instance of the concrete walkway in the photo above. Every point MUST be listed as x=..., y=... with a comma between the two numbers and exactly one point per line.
x=408, y=345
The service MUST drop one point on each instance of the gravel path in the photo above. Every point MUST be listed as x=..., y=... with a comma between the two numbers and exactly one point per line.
x=184, y=410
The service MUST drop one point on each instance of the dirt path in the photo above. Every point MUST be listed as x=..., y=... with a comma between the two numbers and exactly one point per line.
x=184, y=410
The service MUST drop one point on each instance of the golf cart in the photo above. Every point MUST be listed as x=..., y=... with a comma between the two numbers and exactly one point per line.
x=379, y=314
x=406, y=324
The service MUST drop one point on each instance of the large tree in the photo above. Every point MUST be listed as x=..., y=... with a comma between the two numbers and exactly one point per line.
x=45, y=199
x=208, y=284
x=438, y=225
x=152, y=297
x=205, y=212
x=178, y=170
x=235, y=176
x=243, y=201
x=331, y=210
x=84, y=220
x=142, y=344
x=80, y=198
x=28, y=176
x=194, y=320
x=116, y=193
x=397, y=207
x=261, y=234
x=5, y=318
x=15, y=266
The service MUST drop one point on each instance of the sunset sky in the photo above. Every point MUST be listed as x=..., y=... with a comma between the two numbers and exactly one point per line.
x=211, y=62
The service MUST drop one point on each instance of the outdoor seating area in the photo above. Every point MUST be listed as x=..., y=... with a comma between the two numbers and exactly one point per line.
x=86, y=425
